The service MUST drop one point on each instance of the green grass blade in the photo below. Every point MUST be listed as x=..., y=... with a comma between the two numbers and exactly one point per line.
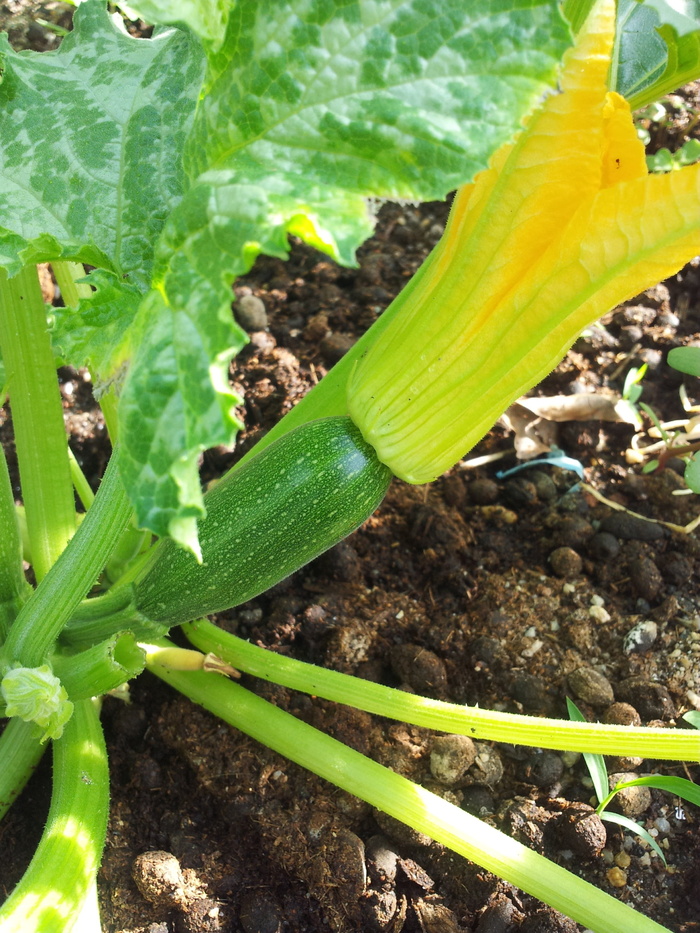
x=635, y=828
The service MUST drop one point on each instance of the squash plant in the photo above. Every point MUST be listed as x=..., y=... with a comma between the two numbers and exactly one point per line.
x=166, y=165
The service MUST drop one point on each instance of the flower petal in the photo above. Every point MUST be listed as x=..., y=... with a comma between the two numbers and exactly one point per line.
x=623, y=157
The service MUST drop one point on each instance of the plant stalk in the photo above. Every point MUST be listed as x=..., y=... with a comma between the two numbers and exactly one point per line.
x=37, y=415
x=66, y=274
x=13, y=585
x=20, y=753
x=61, y=875
x=671, y=744
x=47, y=610
x=411, y=804
x=101, y=668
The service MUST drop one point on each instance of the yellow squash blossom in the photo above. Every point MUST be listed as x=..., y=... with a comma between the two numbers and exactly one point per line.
x=563, y=225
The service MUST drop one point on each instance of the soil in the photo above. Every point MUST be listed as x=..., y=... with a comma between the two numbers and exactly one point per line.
x=511, y=593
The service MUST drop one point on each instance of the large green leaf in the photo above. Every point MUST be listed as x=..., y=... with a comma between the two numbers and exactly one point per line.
x=312, y=102
x=90, y=144
x=657, y=48
x=206, y=18
x=309, y=109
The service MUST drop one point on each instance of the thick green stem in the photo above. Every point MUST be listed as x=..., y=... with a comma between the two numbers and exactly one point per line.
x=410, y=803
x=61, y=875
x=42, y=617
x=20, y=753
x=37, y=415
x=13, y=586
x=101, y=668
x=673, y=744
x=102, y=616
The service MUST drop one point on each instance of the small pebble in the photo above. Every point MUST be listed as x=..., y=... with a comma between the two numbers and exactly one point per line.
x=543, y=769
x=381, y=858
x=572, y=531
x=483, y=491
x=631, y=801
x=565, y=562
x=640, y=638
x=520, y=492
x=623, y=859
x=498, y=917
x=529, y=690
x=478, y=800
x=488, y=766
x=259, y=913
x=604, y=546
x=652, y=700
x=250, y=313
x=420, y=668
x=599, y=614
x=622, y=714
x=580, y=829
x=544, y=485
x=591, y=686
x=451, y=757
x=159, y=878
x=645, y=577
x=346, y=859
x=677, y=569
x=617, y=878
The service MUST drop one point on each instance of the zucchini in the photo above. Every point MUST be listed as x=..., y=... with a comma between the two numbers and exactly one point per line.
x=301, y=495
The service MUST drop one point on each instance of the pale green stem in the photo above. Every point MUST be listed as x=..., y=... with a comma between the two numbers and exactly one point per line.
x=12, y=581
x=66, y=274
x=37, y=417
x=20, y=753
x=109, y=403
x=411, y=804
x=13, y=585
x=80, y=483
x=673, y=744
x=42, y=617
x=61, y=875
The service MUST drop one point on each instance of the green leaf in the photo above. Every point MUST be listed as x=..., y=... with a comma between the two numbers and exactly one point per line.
x=685, y=360
x=692, y=473
x=693, y=717
x=636, y=828
x=90, y=143
x=681, y=787
x=98, y=333
x=658, y=48
x=310, y=109
x=176, y=401
x=320, y=105
x=206, y=18
x=594, y=763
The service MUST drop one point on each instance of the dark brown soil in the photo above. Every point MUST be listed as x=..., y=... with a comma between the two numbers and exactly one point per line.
x=510, y=594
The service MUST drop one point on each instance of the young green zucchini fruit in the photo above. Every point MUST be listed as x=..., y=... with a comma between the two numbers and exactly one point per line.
x=297, y=498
